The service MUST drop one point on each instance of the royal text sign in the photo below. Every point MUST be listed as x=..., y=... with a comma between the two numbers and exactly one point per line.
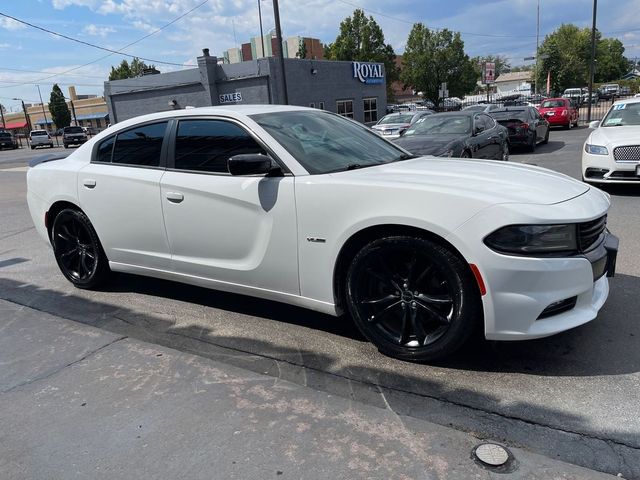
x=370, y=73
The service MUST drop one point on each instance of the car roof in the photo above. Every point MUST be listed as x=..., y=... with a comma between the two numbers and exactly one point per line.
x=627, y=100
x=467, y=113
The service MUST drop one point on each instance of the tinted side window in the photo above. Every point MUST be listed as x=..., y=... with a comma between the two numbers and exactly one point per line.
x=480, y=123
x=140, y=145
x=206, y=145
x=488, y=121
x=105, y=149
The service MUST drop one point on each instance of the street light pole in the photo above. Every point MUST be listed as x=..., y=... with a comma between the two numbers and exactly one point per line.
x=593, y=58
x=261, y=34
x=276, y=14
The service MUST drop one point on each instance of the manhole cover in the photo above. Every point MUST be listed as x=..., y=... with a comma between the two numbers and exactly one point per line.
x=492, y=454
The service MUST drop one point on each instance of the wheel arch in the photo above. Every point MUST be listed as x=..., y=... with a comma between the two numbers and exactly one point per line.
x=55, y=209
x=360, y=238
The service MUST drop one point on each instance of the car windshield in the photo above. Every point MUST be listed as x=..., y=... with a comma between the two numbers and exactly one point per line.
x=73, y=130
x=323, y=142
x=441, y=124
x=623, y=114
x=5, y=135
x=396, y=119
x=552, y=104
x=509, y=114
x=38, y=133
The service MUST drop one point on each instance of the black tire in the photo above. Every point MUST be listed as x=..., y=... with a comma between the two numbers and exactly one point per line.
x=66, y=146
x=32, y=147
x=465, y=154
x=568, y=126
x=532, y=144
x=77, y=249
x=414, y=299
x=546, y=137
x=505, y=152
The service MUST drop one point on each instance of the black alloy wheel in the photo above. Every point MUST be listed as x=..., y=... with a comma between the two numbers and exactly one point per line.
x=77, y=249
x=412, y=298
x=532, y=143
x=546, y=136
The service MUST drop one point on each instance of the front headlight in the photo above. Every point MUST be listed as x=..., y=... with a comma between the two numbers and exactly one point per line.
x=534, y=239
x=596, y=149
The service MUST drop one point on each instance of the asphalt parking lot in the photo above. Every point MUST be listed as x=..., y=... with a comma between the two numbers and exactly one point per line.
x=572, y=397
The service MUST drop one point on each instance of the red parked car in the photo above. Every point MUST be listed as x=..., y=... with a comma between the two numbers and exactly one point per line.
x=559, y=112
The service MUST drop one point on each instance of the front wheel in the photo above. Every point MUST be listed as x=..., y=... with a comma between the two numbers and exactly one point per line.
x=505, y=152
x=546, y=137
x=412, y=298
x=77, y=249
x=465, y=154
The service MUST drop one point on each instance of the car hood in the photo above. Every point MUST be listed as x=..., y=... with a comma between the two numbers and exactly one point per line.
x=493, y=181
x=610, y=136
x=427, y=144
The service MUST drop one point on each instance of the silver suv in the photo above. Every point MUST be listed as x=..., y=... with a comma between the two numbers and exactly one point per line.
x=40, y=138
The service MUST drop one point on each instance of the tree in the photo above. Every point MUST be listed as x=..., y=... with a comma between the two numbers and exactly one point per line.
x=302, y=49
x=502, y=64
x=566, y=53
x=60, y=114
x=361, y=40
x=124, y=70
x=433, y=57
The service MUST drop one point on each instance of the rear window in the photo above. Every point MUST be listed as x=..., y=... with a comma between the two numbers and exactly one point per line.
x=38, y=133
x=509, y=115
x=73, y=130
x=5, y=135
x=396, y=119
x=553, y=104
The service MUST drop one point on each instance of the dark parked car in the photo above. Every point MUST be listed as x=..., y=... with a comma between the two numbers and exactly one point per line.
x=462, y=134
x=7, y=140
x=525, y=125
x=73, y=136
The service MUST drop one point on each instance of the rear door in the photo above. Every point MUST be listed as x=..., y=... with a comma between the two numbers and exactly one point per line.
x=239, y=230
x=482, y=137
x=120, y=192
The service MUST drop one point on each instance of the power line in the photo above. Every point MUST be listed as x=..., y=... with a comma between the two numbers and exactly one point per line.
x=123, y=48
x=3, y=69
x=82, y=42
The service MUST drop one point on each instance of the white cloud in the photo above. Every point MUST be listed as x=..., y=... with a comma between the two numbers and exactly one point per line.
x=62, y=4
x=97, y=31
x=11, y=24
x=145, y=27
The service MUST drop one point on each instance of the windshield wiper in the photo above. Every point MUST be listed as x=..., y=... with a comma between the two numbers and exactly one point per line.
x=353, y=166
x=405, y=156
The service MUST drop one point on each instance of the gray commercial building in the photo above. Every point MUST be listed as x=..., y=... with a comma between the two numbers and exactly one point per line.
x=353, y=89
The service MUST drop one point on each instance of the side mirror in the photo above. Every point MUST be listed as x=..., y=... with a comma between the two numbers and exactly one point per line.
x=477, y=130
x=594, y=124
x=249, y=164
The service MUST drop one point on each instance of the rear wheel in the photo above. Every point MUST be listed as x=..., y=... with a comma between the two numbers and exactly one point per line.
x=77, y=249
x=412, y=298
x=532, y=144
x=505, y=152
x=546, y=137
x=465, y=154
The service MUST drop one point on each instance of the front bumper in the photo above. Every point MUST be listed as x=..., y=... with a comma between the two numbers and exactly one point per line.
x=604, y=169
x=521, y=288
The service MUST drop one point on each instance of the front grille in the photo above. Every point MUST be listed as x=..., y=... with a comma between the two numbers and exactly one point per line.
x=591, y=233
x=630, y=153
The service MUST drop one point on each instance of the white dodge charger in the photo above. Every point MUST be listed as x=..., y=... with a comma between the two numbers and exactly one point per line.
x=611, y=153
x=306, y=207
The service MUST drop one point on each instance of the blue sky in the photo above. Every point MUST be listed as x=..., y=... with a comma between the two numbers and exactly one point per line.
x=506, y=27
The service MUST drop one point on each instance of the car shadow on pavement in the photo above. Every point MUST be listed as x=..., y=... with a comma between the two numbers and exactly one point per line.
x=620, y=190
x=387, y=383
x=552, y=146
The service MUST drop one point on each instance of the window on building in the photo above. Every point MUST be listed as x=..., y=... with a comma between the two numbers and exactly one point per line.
x=98, y=123
x=345, y=108
x=205, y=145
x=140, y=146
x=370, y=110
x=321, y=105
x=312, y=105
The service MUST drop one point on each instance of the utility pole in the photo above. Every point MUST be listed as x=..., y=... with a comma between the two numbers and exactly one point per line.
x=26, y=115
x=73, y=110
x=537, y=90
x=276, y=14
x=593, y=58
x=46, y=122
x=261, y=34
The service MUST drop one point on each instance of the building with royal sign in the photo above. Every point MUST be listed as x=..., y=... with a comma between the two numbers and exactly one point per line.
x=353, y=89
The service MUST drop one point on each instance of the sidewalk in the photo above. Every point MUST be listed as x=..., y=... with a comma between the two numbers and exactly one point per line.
x=80, y=402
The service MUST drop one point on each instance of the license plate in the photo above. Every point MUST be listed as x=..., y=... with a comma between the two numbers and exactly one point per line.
x=387, y=132
x=551, y=114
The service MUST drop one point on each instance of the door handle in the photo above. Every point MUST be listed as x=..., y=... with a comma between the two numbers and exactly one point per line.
x=175, y=197
x=89, y=183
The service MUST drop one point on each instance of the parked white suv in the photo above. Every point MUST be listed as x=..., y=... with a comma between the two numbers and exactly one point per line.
x=40, y=138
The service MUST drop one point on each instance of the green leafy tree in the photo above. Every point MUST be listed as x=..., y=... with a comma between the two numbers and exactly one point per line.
x=433, y=57
x=60, y=114
x=302, y=49
x=566, y=54
x=126, y=70
x=502, y=64
x=361, y=40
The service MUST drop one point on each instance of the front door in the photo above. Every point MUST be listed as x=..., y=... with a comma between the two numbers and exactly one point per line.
x=233, y=229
